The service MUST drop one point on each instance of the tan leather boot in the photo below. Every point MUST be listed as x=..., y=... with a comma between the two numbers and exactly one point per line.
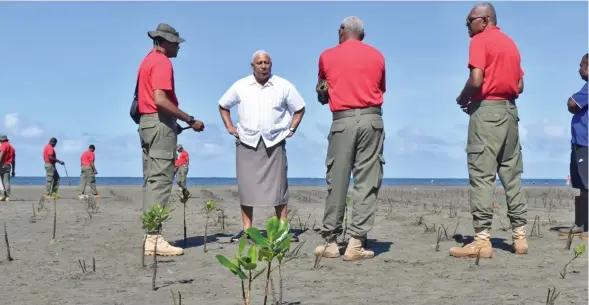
x=163, y=247
x=355, y=250
x=331, y=251
x=520, y=244
x=481, y=246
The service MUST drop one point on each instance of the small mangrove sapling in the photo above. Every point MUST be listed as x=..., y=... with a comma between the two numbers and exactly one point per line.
x=152, y=222
x=184, y=200
x=578, y=251
x=265, y=249
x=346, y=219
x=242, y=264
x=210, y=207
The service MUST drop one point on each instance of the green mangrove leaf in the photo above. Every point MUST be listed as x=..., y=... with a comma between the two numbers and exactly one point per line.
x=257, y=237
x=272, y=226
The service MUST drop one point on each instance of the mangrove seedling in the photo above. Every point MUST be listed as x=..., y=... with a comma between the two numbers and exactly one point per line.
x=210, y=207
x=552, y=296
x=275, y=245
x=242, y=264
x=578, y=251
x=8, y=256
x=152, y=222
x=184, y=199
x=54, y=217
x=346, y=219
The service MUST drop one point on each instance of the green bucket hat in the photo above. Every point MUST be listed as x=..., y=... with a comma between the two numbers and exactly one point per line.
x=166, y=32
x=3, y=138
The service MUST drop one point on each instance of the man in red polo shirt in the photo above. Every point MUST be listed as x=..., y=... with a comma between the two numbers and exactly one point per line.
x=88, y=173
x=493, y=146
x=354, y=73
x=158, y=130
x=181, y=165
x=52, y=178
x=7, y=165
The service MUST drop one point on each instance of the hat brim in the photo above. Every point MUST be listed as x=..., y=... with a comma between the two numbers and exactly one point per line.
x=167, y=36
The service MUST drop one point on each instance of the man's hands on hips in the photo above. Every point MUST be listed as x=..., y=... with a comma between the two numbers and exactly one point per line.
x=232, y=130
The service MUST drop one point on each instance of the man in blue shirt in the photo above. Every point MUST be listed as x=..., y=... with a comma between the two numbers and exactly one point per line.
x=577, y=105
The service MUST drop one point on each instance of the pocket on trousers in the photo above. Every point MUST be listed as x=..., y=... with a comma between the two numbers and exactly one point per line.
x=336, y=127
x=474, y=156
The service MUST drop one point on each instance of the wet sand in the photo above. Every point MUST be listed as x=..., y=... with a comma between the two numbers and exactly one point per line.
x=407, y=270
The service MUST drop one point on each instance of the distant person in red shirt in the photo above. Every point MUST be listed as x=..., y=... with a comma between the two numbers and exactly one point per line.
x=89, y=172
x=7, y=165
x=182, y=164
x=354, y=74
x=158, y=130
x=493, y=146
x=52, y=176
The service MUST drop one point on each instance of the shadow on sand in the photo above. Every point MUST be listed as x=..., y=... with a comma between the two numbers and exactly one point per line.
x=197, y=241
x=498, y=243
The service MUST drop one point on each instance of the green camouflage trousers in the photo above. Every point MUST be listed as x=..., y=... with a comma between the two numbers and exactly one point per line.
x=356, y=139
x=181, y=175
x=5, y=177
x=493, y=149
x=158, y=136
x=87, y=177
x=52, y=179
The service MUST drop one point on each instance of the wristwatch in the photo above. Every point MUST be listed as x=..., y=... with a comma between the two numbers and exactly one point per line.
x=293, y=130
x=191, y=120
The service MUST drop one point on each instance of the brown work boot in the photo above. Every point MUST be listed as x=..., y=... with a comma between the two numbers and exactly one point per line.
x=3, y=198
x=331, y=251
x=355, y=250
x=481, y=246
x=576, y=231
x=520, y=244
x=584, y=236
x=163, y=247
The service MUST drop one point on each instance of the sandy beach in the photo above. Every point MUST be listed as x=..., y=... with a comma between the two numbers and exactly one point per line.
x=407, y=269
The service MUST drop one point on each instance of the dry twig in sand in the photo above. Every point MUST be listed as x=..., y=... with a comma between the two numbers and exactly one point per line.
x=8, y=256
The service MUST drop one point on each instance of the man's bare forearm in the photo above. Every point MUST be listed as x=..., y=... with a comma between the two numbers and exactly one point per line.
x=226, y=117
x=297, y=118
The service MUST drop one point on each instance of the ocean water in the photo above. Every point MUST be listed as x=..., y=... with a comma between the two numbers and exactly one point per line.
x=292, y=181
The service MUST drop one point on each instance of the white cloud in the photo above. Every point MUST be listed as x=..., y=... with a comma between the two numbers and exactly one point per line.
x=70, y=146
x=11, y=120
x=31, y=132
x=17, y=127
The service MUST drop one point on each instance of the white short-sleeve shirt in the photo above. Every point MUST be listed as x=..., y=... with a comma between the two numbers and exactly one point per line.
x=263, y=111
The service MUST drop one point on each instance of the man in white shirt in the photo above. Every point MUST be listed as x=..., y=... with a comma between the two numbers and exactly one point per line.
x=269, y=110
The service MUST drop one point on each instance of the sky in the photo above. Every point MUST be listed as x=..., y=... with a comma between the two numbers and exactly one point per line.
x=68, y=71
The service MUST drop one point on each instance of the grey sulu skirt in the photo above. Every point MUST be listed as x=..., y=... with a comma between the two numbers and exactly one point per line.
x=261, y=174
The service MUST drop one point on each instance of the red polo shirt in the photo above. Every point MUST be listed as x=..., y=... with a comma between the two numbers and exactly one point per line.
x=497, y=55
x=48, y=151
x=355, y=73
x=182, y=159
x=7, y=154
x=87, y=158
x=155, y=72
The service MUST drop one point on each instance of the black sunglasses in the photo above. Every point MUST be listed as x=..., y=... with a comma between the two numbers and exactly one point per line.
x=470, y=20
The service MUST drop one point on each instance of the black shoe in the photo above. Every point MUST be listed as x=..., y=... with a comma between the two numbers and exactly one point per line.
x=295, y=238
x=237, y=237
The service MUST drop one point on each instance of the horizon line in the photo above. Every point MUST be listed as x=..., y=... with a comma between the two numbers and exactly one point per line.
x=430, y=178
